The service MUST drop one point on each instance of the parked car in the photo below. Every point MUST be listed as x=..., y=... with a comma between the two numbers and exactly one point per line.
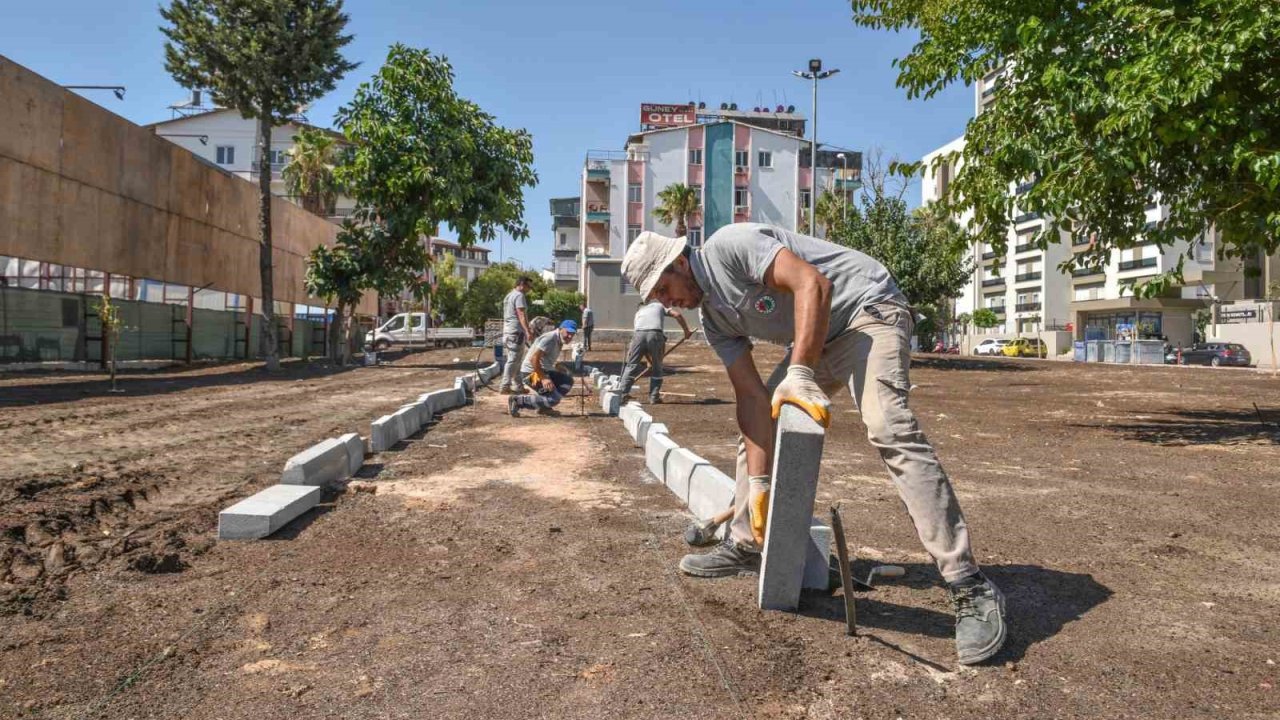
x=411, y=328
x=1026, y=347
x=1217, y=353
x=991, y=346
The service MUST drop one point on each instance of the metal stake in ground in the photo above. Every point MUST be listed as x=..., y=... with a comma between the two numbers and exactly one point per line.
x=846, y=574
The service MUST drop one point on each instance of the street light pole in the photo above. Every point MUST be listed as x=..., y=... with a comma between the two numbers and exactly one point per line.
x=844, y=210
x=815, y=74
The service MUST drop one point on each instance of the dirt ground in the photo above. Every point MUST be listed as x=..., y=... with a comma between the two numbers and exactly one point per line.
x=524, y=567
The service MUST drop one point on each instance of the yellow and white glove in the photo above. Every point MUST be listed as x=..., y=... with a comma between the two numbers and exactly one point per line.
x=800, y=389
x=758, y=506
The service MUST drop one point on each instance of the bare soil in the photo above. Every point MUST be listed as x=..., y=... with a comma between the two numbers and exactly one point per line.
x=524, y=567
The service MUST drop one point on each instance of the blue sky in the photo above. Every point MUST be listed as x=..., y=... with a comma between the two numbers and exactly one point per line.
x=572, y=73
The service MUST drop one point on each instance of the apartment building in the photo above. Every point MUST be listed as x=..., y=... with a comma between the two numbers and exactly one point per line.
x=1030, y=295
x=229, y=141
x=468, y=262
x=741, y=166
x=566, y=244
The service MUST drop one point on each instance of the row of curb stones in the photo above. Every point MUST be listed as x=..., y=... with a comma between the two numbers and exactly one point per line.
x=706, y=491
x=331, y=461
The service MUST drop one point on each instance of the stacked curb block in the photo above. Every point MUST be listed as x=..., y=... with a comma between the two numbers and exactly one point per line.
x=707, y=491
x=331, y=461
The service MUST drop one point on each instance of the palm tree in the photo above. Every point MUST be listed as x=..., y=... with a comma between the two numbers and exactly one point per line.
x=309, y=173
x=832, y=212
x=677, y=202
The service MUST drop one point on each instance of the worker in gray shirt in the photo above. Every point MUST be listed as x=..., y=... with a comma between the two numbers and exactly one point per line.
x=550, y=382
x=649, y=342
x=588, y=324
x=849, y=325
x=515, y=333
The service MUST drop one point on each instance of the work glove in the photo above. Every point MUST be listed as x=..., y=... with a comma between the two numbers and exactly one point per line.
x=799, y=389
x=758, y=506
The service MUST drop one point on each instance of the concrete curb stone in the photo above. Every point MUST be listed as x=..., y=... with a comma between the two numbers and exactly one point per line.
x=263, y=513
x=321, y=464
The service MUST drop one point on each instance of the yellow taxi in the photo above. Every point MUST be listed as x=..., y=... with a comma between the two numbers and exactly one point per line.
x=1026, y=347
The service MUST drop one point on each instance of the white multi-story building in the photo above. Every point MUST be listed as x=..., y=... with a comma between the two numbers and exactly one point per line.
x=1030, y=295
x=566, y=244
x=742, y=167
x=468, y=262
x=227, y=140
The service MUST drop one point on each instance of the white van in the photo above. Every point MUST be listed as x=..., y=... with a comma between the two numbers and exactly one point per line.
x=411, y=329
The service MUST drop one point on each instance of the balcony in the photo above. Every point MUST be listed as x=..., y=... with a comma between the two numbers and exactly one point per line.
x=597, y=251
x=1077, y=241
x=997, y=309
x=597, y=212
x=1138, y=264
x=1027, y=277
x=993, y=282
x=1024, y=188
x=1026, y=217
x=1025, y=247
x=1087, y=272
x=1027, y=307
x=988, y=255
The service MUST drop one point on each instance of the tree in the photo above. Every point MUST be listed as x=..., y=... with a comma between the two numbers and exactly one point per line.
x=560, y=305
x=985, y=318
x=832, y=210
x=484, y=296
x=923, y=249
x=449, y=293
x=963, y=320
x=422, y=157
x=266, y=59
x=334, y=274
x=677, y=202
x=309, y=172
x=112, y=324
x=1103, y=105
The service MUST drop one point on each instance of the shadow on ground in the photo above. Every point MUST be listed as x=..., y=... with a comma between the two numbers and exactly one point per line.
x=1040, y=601
x=956, y=362
x=1199, y=427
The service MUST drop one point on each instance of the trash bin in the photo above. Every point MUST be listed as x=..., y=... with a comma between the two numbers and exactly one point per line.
x=1108, y=352
x=1148, y=352
x=1080, y=354
x=1093, y=350
x=1124, y=353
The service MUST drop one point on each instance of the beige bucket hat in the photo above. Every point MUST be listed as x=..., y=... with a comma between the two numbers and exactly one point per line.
x=650, y=254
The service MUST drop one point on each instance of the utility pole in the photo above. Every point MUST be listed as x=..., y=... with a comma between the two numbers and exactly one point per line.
x=815, y=74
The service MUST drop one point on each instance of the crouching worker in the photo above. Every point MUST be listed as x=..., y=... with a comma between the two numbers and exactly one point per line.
x=549, y=381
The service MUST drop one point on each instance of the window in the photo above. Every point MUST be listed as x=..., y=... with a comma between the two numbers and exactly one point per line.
x=741, y=158
x=633, y=232
x=1089, y=292
x=278, y=157
x=633, y=194
x=695, y=237
x=415, y=322
x=695, y=156
x=226, y=154
x=740, y=197
x=697, y=190
x=804, y=199
x=564, y=239
x=764, y=159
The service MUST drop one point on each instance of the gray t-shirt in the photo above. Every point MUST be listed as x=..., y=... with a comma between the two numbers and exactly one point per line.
x=588, y=317
x=650, y=316
x=737, y=305
x=510, y=320
x=550, y=344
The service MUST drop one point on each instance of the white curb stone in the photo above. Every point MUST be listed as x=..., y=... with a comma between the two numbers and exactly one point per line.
x=710, y=492
x=797, y=456
x=410, y=419
x=323, y=463
x=355, y=452
x=680, y=466
x=817, y=557
x=611, y=403
x=383, y=433
x=636, y=423
x=655, y=454
x=261, y=514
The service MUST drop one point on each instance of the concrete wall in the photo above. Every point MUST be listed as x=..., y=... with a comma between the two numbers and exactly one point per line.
x=80, y=186
x=668, y=163
x=1256, y=336
x=774, y=198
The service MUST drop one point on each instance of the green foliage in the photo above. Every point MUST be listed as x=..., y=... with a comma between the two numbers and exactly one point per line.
x=483, y=299
x=832, y=209
x=261, y=57
x=1104, y=104
x=309, y=173
x=924, y=250
x=560, y=305
x=677, y=202
x=450, y=290
x=985, y=318
x=422, y=156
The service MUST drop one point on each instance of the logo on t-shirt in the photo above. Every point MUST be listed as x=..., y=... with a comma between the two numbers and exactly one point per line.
x=765, y=304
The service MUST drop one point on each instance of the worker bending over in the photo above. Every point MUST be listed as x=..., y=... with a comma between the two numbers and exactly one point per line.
x=649, y=342
x=550, y=382
x=850, y=325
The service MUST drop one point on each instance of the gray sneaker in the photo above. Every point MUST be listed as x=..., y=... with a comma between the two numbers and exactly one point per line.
x=726, y=560
x=980, y=629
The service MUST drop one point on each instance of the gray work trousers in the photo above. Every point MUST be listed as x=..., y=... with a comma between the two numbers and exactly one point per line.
x=645, y=345
x=872, y=357
x=512, y=344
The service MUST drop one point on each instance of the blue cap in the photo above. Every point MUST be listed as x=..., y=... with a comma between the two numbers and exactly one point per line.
x=569, y=325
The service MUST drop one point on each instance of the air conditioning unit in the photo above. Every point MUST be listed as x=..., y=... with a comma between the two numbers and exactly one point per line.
x=740, y=209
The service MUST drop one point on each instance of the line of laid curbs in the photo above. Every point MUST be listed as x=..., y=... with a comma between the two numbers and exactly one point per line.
x=704, y=489
x=336, y=459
